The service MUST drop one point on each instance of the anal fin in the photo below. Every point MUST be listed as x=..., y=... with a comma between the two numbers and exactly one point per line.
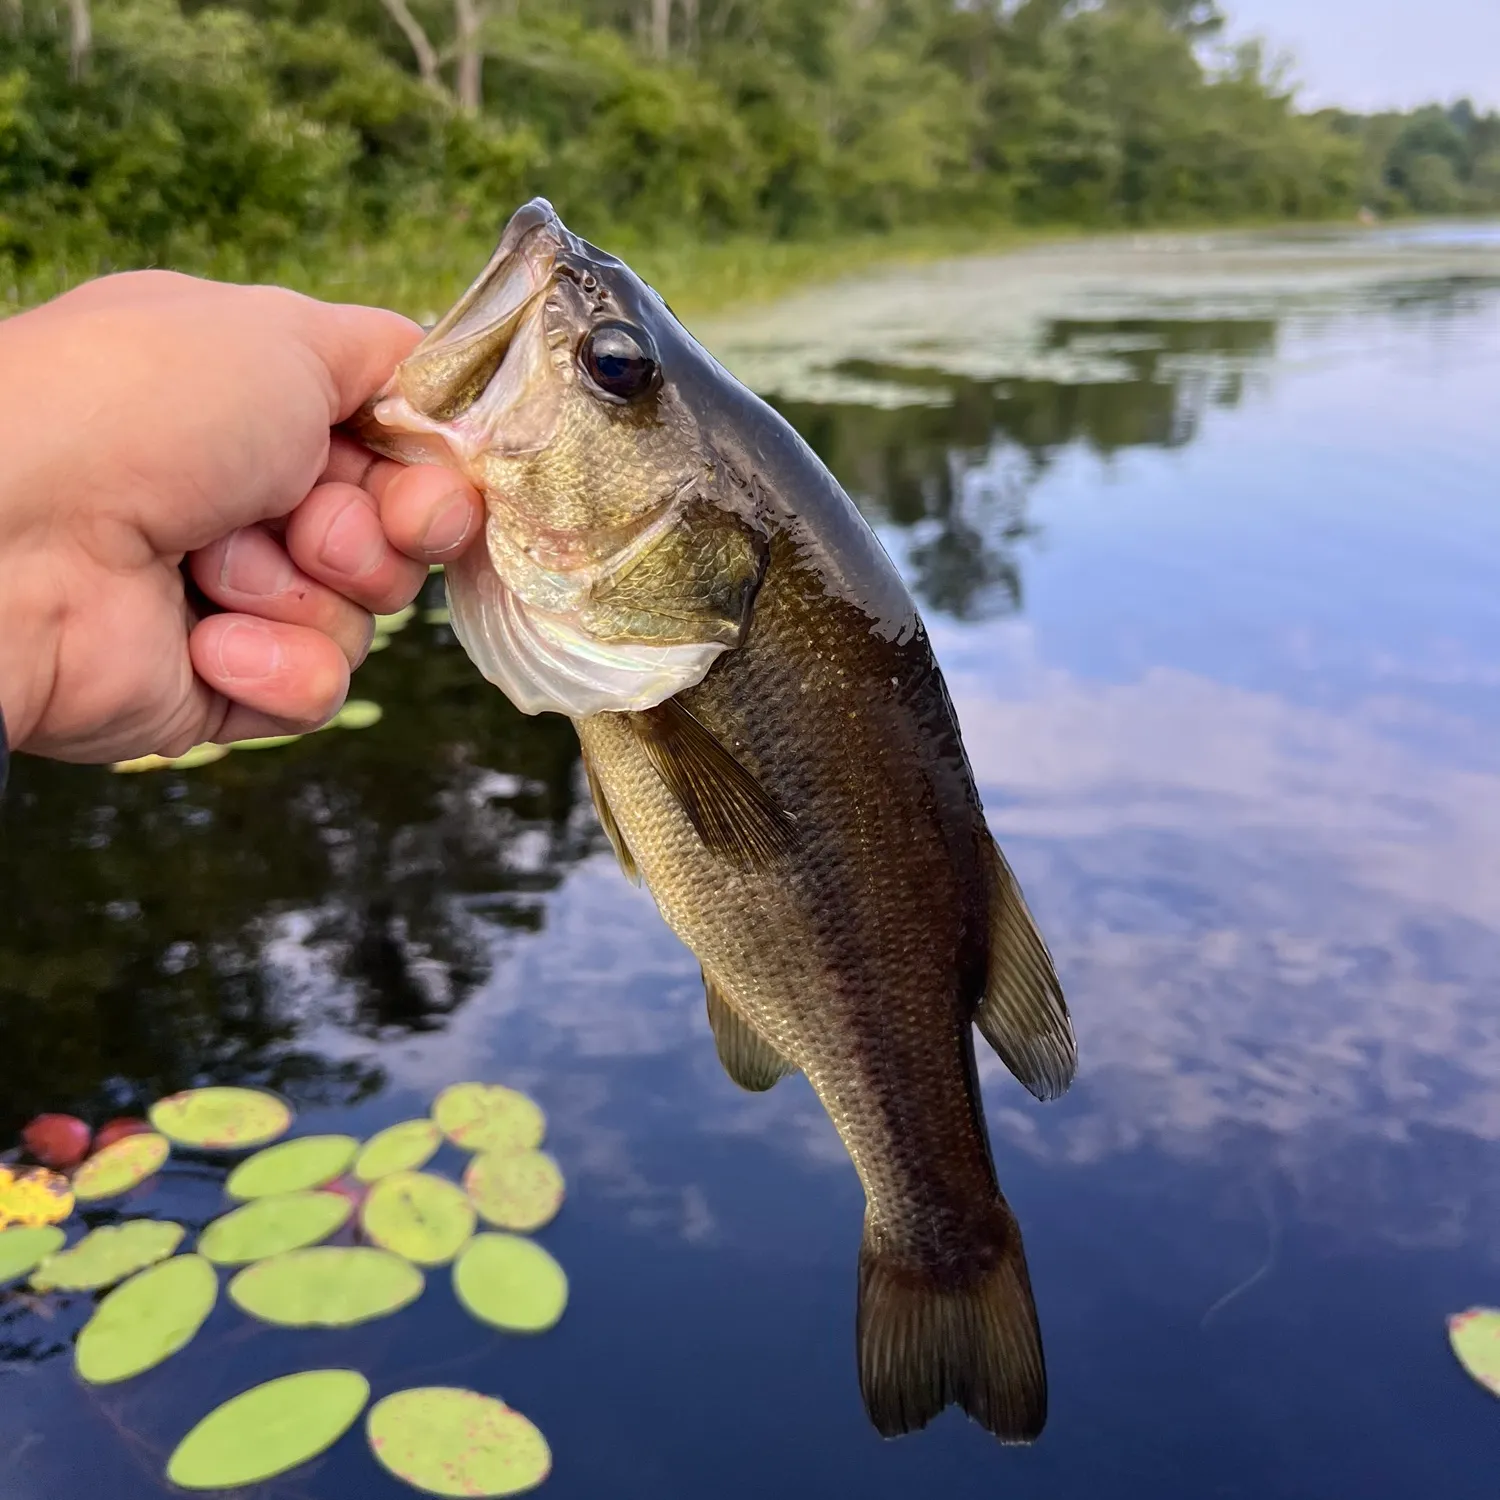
x=1023, y=1015
x=732, y=813
x=747, y=1056
x=607, y=822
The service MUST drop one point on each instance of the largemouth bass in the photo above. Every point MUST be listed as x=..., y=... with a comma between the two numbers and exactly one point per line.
x=771, y=748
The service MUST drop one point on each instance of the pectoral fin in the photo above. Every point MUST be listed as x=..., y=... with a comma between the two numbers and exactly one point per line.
x=1023, y=1015
x=733, y=814
x=607, y=821
x=747, y=1056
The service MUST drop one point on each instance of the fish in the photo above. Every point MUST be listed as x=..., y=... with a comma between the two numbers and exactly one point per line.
x=771, y=748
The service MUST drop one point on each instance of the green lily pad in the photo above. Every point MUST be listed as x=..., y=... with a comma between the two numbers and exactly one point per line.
x=510, y=1283
x=389, y=624
x=453, y=1442
x=358, y=713
x=489, y=1117
x=120, y=1166
x=146, y=1320
x=23, y=1250
x=33, y=1196
x=398, y=1148
x=221, y=1119
x=269, y=1429
x=105, y=1256
x=520, y=1192
x=267, y=742
x=328, y=1287
x=422, y=1217
x=378, y=642
x=272, y=1226
x=1475, y=1336
x=292, y=1166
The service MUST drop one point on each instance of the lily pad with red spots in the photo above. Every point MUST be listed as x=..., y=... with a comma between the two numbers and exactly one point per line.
x=521, y=1192
x=456, y=1442
x=489, y=1117
x=1475, y=1337
x=222, y=1119
x=121, y=1166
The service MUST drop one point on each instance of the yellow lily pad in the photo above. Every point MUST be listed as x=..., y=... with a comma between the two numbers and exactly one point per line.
x=272, y=1226
x=147, y=1320
x=33, y=1197
x=331, y=1286
x=406, y=1147
x=222, y=1119
x=489, y=1117
x=292, y=1166
x=267, y=742
x=510, y=1283
x=454, y=1442
x=390, y=624
x=424, y=1218
x=1475, y=1337
x=199, y=755
x=269, y=1430
x=123, y=1165
x=23, y=1250
x=521, y=1192
x=105, y=1256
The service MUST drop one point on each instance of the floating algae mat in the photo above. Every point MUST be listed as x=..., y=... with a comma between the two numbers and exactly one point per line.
x=284, y=1200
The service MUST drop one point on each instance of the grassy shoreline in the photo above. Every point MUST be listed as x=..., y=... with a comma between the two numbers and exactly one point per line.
x=421, y=271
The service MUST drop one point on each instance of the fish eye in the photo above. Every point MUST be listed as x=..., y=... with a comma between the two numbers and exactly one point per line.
x=620, y=361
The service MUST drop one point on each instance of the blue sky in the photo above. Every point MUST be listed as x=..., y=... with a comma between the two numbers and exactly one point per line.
x=1373, y=54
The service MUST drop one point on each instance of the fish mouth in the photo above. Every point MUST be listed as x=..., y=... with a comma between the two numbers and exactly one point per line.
x=430, y=411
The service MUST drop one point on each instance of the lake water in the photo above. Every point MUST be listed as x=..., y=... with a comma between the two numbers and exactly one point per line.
x=1207, y=534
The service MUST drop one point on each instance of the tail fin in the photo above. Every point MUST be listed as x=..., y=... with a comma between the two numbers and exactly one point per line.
x=924, y=1345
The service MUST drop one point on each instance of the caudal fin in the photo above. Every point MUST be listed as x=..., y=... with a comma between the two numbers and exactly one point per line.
x=925, y=1345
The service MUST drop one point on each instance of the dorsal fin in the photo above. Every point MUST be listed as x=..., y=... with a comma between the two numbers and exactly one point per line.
x=747, y=1056
x=1023, y=1015
x=733, y=814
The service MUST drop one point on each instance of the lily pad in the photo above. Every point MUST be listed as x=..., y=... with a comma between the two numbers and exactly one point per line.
x=389, y=624
x=328, y=1287
x=267, y=742
x=510, y=1283
x=398, y=1148
x=269, y=1429
x=422, y=1217
x=23, y=1250
x=1475, y=1336
x=515, y=1192
x=489, y=1117
x=120, y=1166
x=222, y=1119
x=358, y=713
x=105, y=1256
x=33, y=1197
x=146, y=1320
x=453, y=1442
x=292, y=1166
x=272, y=1226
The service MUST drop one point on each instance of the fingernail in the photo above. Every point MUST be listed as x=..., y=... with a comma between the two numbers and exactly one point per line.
x=254, y=564
x=248, y=652
x=450, y=520
x=354, y=544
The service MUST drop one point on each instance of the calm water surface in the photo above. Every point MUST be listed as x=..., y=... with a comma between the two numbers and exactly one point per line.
x=1207, y=535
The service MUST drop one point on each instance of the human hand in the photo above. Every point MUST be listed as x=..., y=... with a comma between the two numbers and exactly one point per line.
x=152, y=416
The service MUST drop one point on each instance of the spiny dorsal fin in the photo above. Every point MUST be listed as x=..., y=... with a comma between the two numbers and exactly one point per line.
x=931, y=1339
x=747, y=1056
x=1023, y=1015
x=607, y=820
x=731, y=811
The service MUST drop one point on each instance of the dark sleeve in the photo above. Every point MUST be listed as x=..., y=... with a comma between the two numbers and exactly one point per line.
x=4, y=753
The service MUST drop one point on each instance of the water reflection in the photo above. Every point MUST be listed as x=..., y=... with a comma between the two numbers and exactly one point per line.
x=1208, y=546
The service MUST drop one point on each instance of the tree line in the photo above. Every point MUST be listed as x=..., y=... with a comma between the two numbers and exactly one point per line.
x=184, y=132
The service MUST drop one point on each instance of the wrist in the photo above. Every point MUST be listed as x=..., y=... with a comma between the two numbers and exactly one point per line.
x=30, y=627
